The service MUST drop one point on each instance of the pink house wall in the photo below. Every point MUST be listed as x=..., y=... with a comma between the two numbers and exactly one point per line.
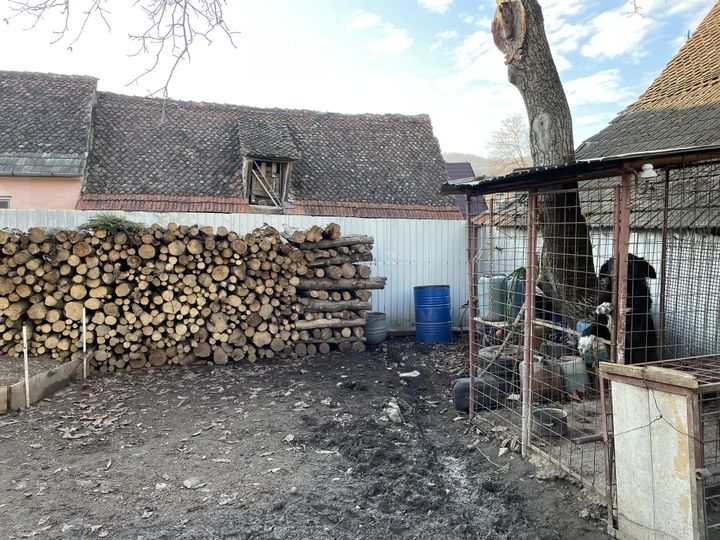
x=38, y=192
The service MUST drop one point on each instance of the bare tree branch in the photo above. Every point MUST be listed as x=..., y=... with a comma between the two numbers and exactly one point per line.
x=509, y=146
x=168, y=34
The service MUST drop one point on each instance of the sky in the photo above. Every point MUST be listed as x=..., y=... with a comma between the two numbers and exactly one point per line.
x=431, y=57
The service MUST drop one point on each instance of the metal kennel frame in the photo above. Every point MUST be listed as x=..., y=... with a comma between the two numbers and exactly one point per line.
x=671, y=220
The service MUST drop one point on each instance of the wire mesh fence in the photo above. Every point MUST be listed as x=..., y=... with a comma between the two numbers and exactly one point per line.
x=618, y=269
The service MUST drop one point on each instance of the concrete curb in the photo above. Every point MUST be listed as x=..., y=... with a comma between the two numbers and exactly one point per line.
x=12, y=398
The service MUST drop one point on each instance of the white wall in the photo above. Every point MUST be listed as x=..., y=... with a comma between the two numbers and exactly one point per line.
x=407, y=252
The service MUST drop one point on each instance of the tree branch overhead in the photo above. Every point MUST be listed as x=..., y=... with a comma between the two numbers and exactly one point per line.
x=168, y=31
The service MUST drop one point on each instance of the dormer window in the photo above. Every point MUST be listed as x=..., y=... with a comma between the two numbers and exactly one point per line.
x=267, y=181
x=268, y=152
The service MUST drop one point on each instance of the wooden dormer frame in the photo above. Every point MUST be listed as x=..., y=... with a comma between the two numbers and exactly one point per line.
x=250, y=180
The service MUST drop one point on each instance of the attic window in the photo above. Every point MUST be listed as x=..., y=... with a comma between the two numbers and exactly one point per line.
x=266, y=182
x=4, y=202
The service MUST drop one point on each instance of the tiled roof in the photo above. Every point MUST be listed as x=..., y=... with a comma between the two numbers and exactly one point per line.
x=459, y=170
x=143, y=202
x=680, y=109
x=44, y=123
x=174, y=148
x=175, y=203
x=267, y=140
x=375, y=210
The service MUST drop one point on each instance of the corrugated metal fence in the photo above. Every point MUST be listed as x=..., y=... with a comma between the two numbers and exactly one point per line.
x=407, y=252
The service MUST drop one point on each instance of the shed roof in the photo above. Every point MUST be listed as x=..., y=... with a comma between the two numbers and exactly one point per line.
x=680, y=109
x=693, y=201
x=44, y=123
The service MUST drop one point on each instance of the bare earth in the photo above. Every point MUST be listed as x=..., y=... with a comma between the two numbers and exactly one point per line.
x=291, y=449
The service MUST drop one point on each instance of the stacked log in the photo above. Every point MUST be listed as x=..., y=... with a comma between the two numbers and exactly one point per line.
x=178, y=294
x=335, y=289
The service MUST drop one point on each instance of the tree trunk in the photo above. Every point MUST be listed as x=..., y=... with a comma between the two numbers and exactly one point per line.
x=567, y=258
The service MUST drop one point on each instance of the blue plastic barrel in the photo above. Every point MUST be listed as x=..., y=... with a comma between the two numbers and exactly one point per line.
x=433, y=323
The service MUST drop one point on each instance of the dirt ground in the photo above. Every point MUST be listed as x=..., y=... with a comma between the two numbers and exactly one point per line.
x=292, y=449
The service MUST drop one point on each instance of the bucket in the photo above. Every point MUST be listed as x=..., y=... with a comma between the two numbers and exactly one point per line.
x=547, y=422
x=376, y=328
x=575, y=375
x=486, y=395
x=504, y=367
x=433, y=323
x=547, y=380
x=491, y=297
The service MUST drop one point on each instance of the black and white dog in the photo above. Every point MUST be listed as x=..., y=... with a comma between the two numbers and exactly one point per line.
x=640, y=336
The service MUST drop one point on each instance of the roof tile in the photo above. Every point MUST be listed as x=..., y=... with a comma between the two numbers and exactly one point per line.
x=680, y=109
x=44, y=123
x=145, y=145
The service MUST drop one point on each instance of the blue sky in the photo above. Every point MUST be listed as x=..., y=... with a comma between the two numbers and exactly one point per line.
x=401, y=56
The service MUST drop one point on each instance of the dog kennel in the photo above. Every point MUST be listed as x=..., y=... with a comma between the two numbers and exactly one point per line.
x=651, y=222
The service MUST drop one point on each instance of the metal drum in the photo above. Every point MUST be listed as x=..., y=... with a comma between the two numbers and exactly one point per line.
x=433, y=323
x=376, y=328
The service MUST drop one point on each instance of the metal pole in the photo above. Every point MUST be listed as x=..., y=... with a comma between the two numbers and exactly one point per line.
x=609, y=444
x=84, y=338
x=622, y=265
x=469, y=245
x=526, y=375
x=27, y=370
x=617, y=193
x=663, y=267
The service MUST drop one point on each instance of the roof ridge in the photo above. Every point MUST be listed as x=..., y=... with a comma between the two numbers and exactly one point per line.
x=252, y=108
x=48, y=75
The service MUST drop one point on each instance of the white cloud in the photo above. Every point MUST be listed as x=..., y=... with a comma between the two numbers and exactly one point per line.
x=565, y=37
x=394, y=40
x=561, y=62
x=617, y=33
x=601, y=87
x=590, y=119
x=438, y=6
x=663, y=8
x=442, y=37
x=556, y=12
x=363, y=20
x=446, y=34
x=562, y=35
x=477, y=59
x=469, y=19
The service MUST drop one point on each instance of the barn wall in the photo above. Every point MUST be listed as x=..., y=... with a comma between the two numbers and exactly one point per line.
x=407, y=252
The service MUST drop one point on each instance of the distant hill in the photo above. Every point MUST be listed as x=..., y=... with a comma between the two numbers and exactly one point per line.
x=479, y=163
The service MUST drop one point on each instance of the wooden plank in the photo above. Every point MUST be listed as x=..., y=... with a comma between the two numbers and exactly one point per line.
x=3, y=399
x=650, y=373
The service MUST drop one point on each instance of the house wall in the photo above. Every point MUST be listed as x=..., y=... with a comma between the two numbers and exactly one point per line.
x=409, y=252
x=41, y=192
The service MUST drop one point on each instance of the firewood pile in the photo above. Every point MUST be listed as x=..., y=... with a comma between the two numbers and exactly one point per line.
x=181, y=294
